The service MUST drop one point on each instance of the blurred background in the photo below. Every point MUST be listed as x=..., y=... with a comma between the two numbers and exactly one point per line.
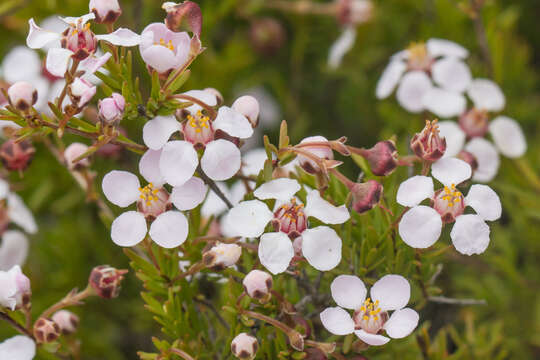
x=279, y=54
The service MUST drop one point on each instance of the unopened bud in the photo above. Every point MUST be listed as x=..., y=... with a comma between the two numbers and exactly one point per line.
x=315, y=354
x=81, y=92
x=22, y=95
x=258, y=285
x=267, y=35
x=46, y=330
x=222, y=255
x=111, y=109
x=428, y=144
x=382, y=158
x=66, y=320
x=469, y=158
x=183, y=16
x=106, y=281
x=106, y=11
x=16, y=156
x=321, y=151
x=365, y=196
x=354, y=12
x=244, y=346
x=72, y=152
x=474, y=123
x=249, y=107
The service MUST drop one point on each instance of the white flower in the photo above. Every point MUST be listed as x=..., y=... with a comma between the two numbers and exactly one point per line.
x=341, y=46
x=13, y=285
x=169, y=228
x=321, y=246
x=390, y=293
x=18, y=348
x=421, y=226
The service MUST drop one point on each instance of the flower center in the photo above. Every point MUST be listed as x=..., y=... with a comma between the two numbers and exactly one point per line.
x=148, y=194
x=198, y=128
x=199, y=122
x=169, y=45
x=449, y=203
x=419, y=58
x=291, y=219
x=474, y=122
x=452, y=195
x=370, y=317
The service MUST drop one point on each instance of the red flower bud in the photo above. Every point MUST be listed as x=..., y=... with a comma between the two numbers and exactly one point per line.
x=16, y=156
x=382, y=157
x=365, y=196
x=428, y=144
x=106, y=281
x=106, y=11
x=46, y=330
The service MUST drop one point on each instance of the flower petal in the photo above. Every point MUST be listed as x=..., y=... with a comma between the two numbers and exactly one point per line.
x=157, y=131
x=348, y=291
x=205, y=96
x=149, y=167
x=178, y=162
x=487, y=158
x=121, y=37
x=401, y=323
x=128, y=229
x=392, y=291
x=371, y=339
x=451, y=74
x=58, y=61
x=249, y=218
x=410, y=93
x=470, y=234
x=508, y=136
x=444, y=103
x=72, y=20
x=189, y=195
x=21, y=63
x=321, y=209
x=18, y=347
x=233, y=123
x=169, y=229
x=484, y=201
x=412, y=191
x=420, y=227
x=38, y=37
x=486, y=95
x=321, y=246
x=442, y=47
x=93, y=63
x=4, y=189
x=390, y=78
x=121, y=187
x=337, y=321
x=213, y=205
x=13, y=250
x=281, y=189
x=341, y=46
x=455, y=137
x=451, y=171
x=19, y=213
x=275, y=252
x=253, y=161
x=221, y=160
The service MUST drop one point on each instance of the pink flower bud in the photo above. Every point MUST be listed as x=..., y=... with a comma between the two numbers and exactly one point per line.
x=66, y=320
x=106, y=11
x=81, y=92
x=365, y=196
x=382, y=158
x=257, y=285
x=249, y=107
x=72, y=152
x=267, y=35
x=17, y=156
x=320, y=151
x=106, y=281
x=429, y=145
x=15, y=288
x=449, y=203
x=474, y=122
x=80, y=40
x=111, y=109
x=222, y=255
x=354, y=12
x=185, y=15
x=46, y=331
x=22, y=95
x=244, y=346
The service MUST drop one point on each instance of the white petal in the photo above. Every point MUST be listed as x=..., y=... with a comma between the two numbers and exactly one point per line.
x=4, y=189
x=486, y=95
x=54, y=24
x=371, y=339
x=21, y=63
x=410, y=93
x=72, y=20
x=18, y=348
x=455, y=137
x=420, y=227
x=205, y=96
x=221, y=160
x=13, y=250
x=178, y=162
x=121, y=37
x=19, y=213
x=451, y=171
x=487, y=158
x=470, y=234
x=275, y=252
x=233, y=123
x=484, y=201
x=121, y=187
x=321, y=246
x=341, y=46
x=189, y=195
x=169, y=229
x=128, y=229
x=92, y=64
x=412, y=191
x=38, y=37
x=281, y=189
x=337, y=321
x=58, y=61
x=321, y=209
x=401, y=323
x=249, y=218
x=444, y=103
x=390, y=78
x=451, y=74
x=442, y=47
x=508, y=136
x=392, y=291
x=253, y=161
x=149, y=167
x=213, y=205
x=348, y=291
x=157, y=131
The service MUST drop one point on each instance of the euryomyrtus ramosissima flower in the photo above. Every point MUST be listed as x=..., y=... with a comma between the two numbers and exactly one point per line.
x=168, y=228
x=106, y=281
x=111, y=110
x=258, y=284
x=221, y=158
x=221, y=256
x=429, y=76
x=371, y=316
x=184, y=15
x=72, y=152
x=22, y=96
x=14, y=288
x=421, y=225
x=19, y=347
x=428, y=145
x=17, y=155
x=320, y=246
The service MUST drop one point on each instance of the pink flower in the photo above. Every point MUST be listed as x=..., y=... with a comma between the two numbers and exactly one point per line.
x=244, y=346
x=163, y=49
x=18, y=348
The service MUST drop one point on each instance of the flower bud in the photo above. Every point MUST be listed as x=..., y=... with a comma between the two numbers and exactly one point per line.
x=183, y=16
x=249, y=107
x=257, y=285
x=469, y=158
x=267, y=35
x=354, y=12
x=80, y=40
x=46, y=330
x=382, y=158
x=111, y=109
x=474, y=122
x=16, y=156
x=106, y=281
x=66, y=320
x=22, y=95
x=15, y=288
x=429, y=145
x=320, y=151
x=81, y=92
x=72, y=152
x=222, y=255
x=106, y=11
x=449, y=203
x=315, y=354
x=244, y=346
x=365, y=196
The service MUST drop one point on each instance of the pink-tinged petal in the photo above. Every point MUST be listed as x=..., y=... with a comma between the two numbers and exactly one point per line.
x=169, y=229
x=470, y=234
x=451, y=74
x=337, y=321
x=221, y=160
x=486, y=95
x=412, y=191
x=341, y=46
x=21, y=64
x=484, y=201
x=392, y=291
x=401, y=323
x=487, y=158
x=19, y=213
x=253, y=161
x=159, y=57
x=92, y=63
x=157, y=131
x=189, y=195
x=420, y=227
x=390, y=78
x=178, y=162
x=205, y=96
x=321, y=246
x=71, y=20
x=58, y=61
x=249, y=107
x=508, y=136
x=411, y=91
x=371, y=339
x=4, y=189
x=38, y=37
x=233, y=123
x=275, y=252
x=321, y=209
x=18, y=348
x=451, y=171
x=248, y=219
x=348, y=291
x=121, y=37
x=13, y=250
x=444, y=103
x=128, y=229
x=149, y=167
x=442, y=47
x=281, y=189
x=121, y=187
x=455, y=137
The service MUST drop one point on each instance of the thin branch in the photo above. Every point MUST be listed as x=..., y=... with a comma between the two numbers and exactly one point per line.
x=210, y=306
x=211, y=183
x=15, y=325
x=451, y=301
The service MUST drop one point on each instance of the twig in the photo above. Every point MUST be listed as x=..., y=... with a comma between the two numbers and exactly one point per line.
x=214, y=310
x=71, y=299
x=15, y=324
x=480, y=32
x=445, y=300
x=211, y=183
x=184, y=355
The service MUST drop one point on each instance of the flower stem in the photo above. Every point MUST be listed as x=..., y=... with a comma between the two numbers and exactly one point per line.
x=15, y=324
x=184, y=355
x=211, y=183
x=71, y=299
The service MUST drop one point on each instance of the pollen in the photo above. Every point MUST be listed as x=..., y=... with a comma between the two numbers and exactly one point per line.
x=417, y=50
x=452, y=195
x=199, y=122
x=169, y=45
x=148, y=194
